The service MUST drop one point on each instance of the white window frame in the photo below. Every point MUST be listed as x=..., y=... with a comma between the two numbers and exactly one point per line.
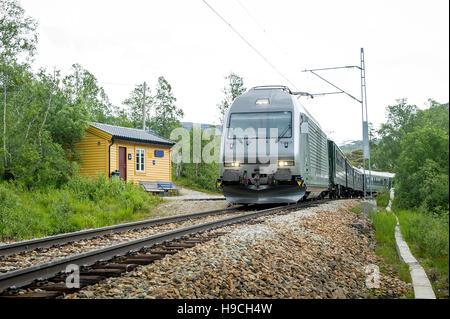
x=139, y=152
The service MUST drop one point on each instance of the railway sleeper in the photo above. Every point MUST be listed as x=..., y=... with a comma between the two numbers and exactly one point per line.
x=165, y=247
x=61, y=287
x=126, y=267
x=177, y=247
x=147, y=256
x=195, y=241
x=88, y=279
x=107, y=272
x=141, y=261
x=34, y=295
x=163, y=252
x=84, y=279
x=181, y=244
x=209, y=238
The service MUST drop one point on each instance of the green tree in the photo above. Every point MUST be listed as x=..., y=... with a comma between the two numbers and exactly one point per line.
x=400, y=119
x=167, y=115
x=82, y=89
x=43, y=128
x=120, y=117
x=235, y=87
x=436, y=115
x=134, y=104
x=18, y=40
x=422, y=169
x=18, y=37
x=356, y=157
x=200, y=173
x=414, y=144
x=44, y=115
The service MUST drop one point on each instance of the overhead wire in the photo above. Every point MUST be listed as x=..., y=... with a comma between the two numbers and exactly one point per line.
x=249, y=44
x=277, y=45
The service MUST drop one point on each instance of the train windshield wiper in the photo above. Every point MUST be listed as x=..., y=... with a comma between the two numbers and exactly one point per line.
x=284, y=132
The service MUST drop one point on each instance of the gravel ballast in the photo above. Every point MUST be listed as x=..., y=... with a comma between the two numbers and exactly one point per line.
x=316, y=252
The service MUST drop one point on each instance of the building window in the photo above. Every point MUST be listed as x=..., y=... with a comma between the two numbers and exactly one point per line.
x=140, y=160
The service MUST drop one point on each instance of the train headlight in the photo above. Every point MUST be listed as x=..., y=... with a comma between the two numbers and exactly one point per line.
x=231, y=164
x=264, y=101
x=286, y=163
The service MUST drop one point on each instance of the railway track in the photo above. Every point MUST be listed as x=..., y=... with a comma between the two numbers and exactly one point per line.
x=50, y=241
x=71, y=245
x=117, y=259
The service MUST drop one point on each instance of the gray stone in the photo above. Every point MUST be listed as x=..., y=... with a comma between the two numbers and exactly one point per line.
x=368, y=206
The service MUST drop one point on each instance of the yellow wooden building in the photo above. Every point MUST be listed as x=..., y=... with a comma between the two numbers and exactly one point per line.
x=139, y=155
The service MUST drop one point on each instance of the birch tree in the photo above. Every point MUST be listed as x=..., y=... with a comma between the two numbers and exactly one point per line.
x=134, y=104
x=167, y=115
x=235, y=87
x=18, y=40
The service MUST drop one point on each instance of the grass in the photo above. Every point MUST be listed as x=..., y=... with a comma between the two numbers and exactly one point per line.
x=188, y=183
x=80, y=204
x=200, y=177
x=384, y=223
x=383, y=198
x=427, y=237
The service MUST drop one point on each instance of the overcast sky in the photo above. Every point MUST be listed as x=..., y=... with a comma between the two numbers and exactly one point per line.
x=124, y=43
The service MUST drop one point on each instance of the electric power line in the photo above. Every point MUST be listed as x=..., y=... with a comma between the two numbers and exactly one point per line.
x=277, y=45
x=251, y=16
x=250, y=45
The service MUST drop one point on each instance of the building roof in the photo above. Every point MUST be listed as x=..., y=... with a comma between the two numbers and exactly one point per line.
x=376, y=173
x=132, y=134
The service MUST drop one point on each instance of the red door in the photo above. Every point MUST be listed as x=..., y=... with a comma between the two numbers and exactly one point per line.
x=123, y=162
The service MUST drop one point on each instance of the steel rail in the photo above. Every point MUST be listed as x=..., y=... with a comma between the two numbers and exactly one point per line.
x=22, y=277
x=49, y=241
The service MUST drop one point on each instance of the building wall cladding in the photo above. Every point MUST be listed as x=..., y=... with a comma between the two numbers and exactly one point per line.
x=159, y=171
x=93, y=150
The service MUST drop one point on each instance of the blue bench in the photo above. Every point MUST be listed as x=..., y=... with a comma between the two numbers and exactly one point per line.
x=165, y=185
x=158, y=187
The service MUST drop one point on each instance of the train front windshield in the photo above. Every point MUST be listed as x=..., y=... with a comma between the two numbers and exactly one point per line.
x=259, y=125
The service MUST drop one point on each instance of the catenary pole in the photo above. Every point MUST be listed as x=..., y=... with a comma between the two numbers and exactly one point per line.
x=367, y=183
x=362, y=121
x=143, y=106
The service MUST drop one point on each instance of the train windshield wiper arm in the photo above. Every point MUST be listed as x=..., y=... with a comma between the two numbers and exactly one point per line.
x=284, y=132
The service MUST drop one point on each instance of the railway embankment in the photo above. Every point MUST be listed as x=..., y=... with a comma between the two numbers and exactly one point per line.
x=323, y=251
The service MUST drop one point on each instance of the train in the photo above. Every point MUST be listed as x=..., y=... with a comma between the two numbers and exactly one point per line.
x=274, y=151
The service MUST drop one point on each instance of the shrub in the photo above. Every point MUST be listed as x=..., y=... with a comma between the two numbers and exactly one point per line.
x=383, y=198
x=427, y=236
x=81, y=203
x=428, y=231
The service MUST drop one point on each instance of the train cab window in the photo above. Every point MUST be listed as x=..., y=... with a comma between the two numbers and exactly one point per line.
x=243, y=125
